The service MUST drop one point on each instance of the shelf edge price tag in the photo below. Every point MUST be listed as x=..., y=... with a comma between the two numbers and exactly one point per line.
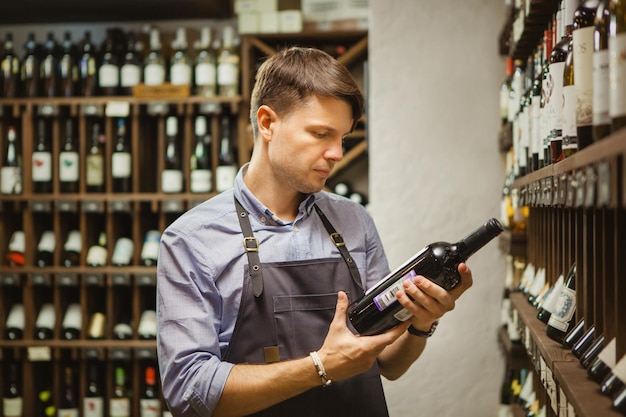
x=117, y=109
x=39, y=353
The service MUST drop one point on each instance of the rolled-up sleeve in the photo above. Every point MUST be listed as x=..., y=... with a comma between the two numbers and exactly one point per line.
x=192, y=372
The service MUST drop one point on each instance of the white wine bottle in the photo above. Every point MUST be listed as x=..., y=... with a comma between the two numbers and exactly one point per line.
x=172, y=174
x=72, y=322
x=379, y=310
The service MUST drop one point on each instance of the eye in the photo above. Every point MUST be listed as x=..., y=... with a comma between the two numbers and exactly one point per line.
x=320, y=134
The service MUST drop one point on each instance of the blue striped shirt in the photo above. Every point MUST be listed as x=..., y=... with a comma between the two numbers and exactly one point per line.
x=200, y=276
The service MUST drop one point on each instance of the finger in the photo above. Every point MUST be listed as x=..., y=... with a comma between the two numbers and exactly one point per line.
x=431, y=295
x=467, y=281
x=341, y=311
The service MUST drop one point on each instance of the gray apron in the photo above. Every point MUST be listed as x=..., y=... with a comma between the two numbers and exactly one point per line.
x=285, y=312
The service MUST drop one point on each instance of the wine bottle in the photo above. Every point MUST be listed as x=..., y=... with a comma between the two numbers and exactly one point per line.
x=121, y=161
x=46, y=402
x=14, y=326
x=505, y=91
x=96, y=327
x=68, y=67
x=582, y=36
x=557, y=69
x=123, y=252
x=598, y=370
x=72, y=322
x=535, y=140
x=180, y=68
x=201, y=163
x=172, y=174
x=228, y=65
x=619, y=402
x=123, y=329
x=12, y=401
x=44, y=324
x=379, y=310
x=72, y=249
x=585, y=341
x=570, y=140
x=11, y=171
x=601, y=122
x=592, y=352
x=119, y=403
x=150, y=249
x=205, y=69
x=15, y=250
x=574, y=335
x=611, y=384
x=88, y=68
x=93, y=401
x=69, y=164
x=109, y=70
x=547, y=307
x=130, y=72
x=562, y=318
x=9, y=69
x=154, y=65
x=42, y=161
x=617, y=66
x=50, y=68
x=29, y=72
x=150, y=403
x=226, y=168
x=45, y=249
x=69, y=400
x=97, y=254
x=147, y=328
x=94, y=163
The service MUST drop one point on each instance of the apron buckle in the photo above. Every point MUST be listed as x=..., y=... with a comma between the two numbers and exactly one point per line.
x=251, y=244
x=337, y=239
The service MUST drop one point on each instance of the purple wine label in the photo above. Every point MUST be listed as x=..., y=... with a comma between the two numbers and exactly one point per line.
x=387, y=297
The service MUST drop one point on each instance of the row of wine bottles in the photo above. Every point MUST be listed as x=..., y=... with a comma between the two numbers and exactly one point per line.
x=556, y=306
x=518, y=387
x=96, y=255
x=570, y=92
x=85, y=390
x=83, y=165
x=73, y=327
x=69, y=69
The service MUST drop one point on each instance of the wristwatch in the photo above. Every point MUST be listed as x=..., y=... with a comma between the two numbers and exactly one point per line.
x=422, y=334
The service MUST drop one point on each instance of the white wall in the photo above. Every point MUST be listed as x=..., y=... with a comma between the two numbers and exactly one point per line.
x=436, y=174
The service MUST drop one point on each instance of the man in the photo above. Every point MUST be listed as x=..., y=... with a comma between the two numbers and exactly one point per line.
x=252, y=290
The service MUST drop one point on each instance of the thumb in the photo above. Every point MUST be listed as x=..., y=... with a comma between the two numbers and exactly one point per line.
x=341, y=310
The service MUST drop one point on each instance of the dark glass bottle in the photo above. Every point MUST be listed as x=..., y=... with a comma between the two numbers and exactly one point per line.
x=150, y=248
x=88, y=67
x=14, y=326
x=109, y=69
x=9, y=69
x=598, y=370
x=51, y=68
x=172, y=175
x=592, y=352
x=72, y=249
x=119, y=402
x=45, y=322
x=45, y=249
x=94, y=166
x=29, y=73
x=150, y=403
x=226, y=166
x=154, y=72
x=583, y=34
x=97, y=253
x=72, y=322
x=93, y=401
x=121, y=161
x=69, y=399
x=379, y=310
x=201, y=160
x=617, y=49
x=68, y=67
x=130, y=71
x=69, y=171
x=15, y=251
x=601, y=121
x=42, y=161
x=12, y=402
x=11, y=169
x=619, y=402
x=575, y=334
x=562, y=318
x=611, y=384
x=583, y=343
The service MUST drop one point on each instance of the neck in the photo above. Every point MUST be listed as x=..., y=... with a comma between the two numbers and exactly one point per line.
x=283, y=203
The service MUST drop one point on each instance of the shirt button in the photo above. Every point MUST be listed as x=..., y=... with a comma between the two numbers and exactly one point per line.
x=263, y=219
x=296, y=229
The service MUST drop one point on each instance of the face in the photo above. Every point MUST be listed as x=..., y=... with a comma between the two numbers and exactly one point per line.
x=305, y=145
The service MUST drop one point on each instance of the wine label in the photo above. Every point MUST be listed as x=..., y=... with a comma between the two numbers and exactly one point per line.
x=121, y=165
x=154, y=74
x=617, y=75
x=93, y=407
x=68, y=166
x=11, y=180
x=73, y=318
x=569, y=118
x=563, y=310
x=147, y=324
x=12, y=407
x=123, y=251
x=180, y=74
x=42, y=166
x=74, y=242
x=95, y=170
x=119, y=407
x=554, y=105
x=150, y=249
x=149, y=407
x=225, y=177
x=97, y=256
x=109, y=75
x=388, y=297
x=46, y=317
x=201, y=181
x=18, y=242
x=171, y=181
x=67, y=412
x=130, y=75
x=47, y=242
x=583, y=75
x=206, y=74
x=601, y=88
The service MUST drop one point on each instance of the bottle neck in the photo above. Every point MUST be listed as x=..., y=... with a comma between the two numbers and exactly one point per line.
x=478, y=238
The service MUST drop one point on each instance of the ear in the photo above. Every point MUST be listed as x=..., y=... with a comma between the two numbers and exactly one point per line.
x=265, y=117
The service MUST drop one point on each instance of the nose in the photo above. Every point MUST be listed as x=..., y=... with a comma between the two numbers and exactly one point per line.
x=335, y=151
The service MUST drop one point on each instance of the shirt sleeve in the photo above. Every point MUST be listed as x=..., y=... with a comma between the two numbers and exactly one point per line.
x=192, y=372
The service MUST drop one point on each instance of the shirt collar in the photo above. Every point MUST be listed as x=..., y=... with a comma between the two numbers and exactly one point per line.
x=263, y=214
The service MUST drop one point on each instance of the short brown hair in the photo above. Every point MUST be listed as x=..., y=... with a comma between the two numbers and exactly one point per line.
x=293, y=74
